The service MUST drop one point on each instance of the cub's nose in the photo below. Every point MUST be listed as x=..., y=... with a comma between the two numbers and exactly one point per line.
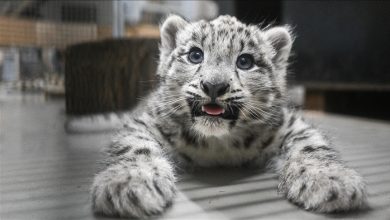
x=214, y=90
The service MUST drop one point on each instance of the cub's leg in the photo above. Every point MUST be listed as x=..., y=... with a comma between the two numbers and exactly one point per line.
x=312, y=175
x=139, y=180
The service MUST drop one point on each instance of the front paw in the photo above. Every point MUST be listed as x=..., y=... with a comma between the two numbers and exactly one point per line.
x=324, y=189
x=133, y=190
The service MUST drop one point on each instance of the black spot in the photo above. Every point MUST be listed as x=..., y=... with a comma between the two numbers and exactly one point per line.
x=267, y=142
x=123, y=150
x=202, y=40
x=308, y=149
x=251, y=43
x=159, y=111
x=235, y=90
x=299, y=133
x=167, y=135
x=189, y=138
x=193, y=85
x=144, y=151
x=143, y=138
x=236, y=144
x=234, y=98
x=353, y=197
x=186, y=158
x=195, y=36
x=147, y=186
x=118, y=191
x=238, y=76
x=127, y=159
x=130, y=128
x=280, y=122
x=193, y=94
x=109, y=198
x=240, y=29
x=231, y=43
x=303, y=187
x=220, y=32
x=232, y=123
x=285, y=138
x=219, y=60
x=133, y=197
x=140, y=122
x=264, y=99
x=333, y=195
x=247, y=33
x=171, y=62
x=94, y=198
x=180, y=60
x=249, y=140
x=292, y=120
x=158, y=189
x=325, y=148
x=168, y=204
x=302, y=170
x=262, y=63
x=241, y=45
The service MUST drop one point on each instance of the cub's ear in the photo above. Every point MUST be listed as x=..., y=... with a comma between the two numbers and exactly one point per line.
x=281, y=40
x=169, y=30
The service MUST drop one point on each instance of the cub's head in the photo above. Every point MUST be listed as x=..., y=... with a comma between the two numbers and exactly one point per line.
x=223, y=71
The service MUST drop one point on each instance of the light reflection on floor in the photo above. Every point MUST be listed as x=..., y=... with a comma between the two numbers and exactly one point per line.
x=46, y=173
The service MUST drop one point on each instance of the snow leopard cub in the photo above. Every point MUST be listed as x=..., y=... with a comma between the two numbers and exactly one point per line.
x=220, y=102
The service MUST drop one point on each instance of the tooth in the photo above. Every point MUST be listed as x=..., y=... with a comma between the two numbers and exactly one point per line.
x=202, y=108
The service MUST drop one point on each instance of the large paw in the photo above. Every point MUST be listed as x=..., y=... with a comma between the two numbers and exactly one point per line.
x=134, y=190
x=324, y=189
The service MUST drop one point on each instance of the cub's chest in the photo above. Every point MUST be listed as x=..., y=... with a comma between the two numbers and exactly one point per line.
x=218, y=152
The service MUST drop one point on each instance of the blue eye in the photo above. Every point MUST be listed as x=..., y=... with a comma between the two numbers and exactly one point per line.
x=245, y=61
x=195, y=56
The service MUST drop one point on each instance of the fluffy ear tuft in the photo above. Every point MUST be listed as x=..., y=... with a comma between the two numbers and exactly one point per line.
x=281, y=40
x=169, y=29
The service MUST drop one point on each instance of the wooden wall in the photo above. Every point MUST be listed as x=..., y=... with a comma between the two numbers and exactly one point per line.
x=22, y=32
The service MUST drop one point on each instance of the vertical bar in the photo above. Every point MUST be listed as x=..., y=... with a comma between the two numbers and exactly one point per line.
x=118, y=19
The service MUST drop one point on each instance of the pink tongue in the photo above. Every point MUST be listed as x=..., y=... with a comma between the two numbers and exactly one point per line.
x=212, y=110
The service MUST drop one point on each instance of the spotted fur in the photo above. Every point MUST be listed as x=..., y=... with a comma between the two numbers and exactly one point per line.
x=165, y=132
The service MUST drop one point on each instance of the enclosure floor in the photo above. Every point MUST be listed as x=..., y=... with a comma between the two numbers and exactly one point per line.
x=46, y=173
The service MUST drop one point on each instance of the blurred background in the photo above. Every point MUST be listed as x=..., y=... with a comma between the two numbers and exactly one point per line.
x=100, y=56
x=60, y=59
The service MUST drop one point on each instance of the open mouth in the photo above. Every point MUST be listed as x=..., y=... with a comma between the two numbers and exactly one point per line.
x=214, y=110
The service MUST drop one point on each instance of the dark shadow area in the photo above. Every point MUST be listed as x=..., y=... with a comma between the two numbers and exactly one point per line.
x=373, y=104
x=222, y=176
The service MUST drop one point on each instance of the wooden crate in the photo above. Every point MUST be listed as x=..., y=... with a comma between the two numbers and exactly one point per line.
x=64, y=34
x=15, y=31
x=22, y=32
x=109, y=75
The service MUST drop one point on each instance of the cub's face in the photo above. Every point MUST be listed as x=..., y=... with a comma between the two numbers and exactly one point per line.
x=223, y=71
